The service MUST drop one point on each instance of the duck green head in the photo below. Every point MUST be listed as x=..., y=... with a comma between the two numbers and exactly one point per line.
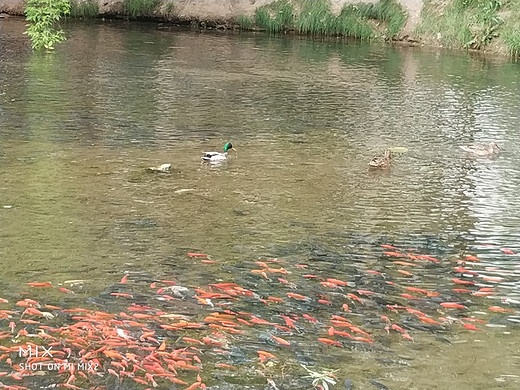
x=228, y=146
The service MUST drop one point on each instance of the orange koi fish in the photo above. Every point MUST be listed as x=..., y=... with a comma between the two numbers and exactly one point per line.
x=507, y=251
x=406, y=273
x=463, y=270
x=280, y=340
x=330, y=342
x=298, y=296
x=386, y=246
x=428, y=320
x=197, y=255
x=460, y=281
x=419, y=290
x=354, y=297
x=406, y=263
x=337, y=281
x=395, y=254
x=429, y=258
x=406, y=336
x=124, y=279
x=124, y=295
x=38, y=284
x=470, y=327
x=309, y=318
x=408, y=296
x=472, y=258
x=226, y=366
x=398, y=328
x=266, y=354
x=499, y=309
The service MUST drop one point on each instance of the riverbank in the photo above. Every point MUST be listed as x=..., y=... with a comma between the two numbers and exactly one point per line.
x=487, y=25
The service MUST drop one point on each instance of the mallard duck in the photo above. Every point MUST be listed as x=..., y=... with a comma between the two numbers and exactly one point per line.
x=217, y=156
x=382, y=162
x=163, y=168
x=481, y=150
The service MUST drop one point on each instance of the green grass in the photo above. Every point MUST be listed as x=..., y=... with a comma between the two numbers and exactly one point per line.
x=388, y=12
x=275, y=17
x=352, y=23
x=134, y=8
x=510, y=32
x=169, y=9
x=470, y=24
x=384, y=19
x=84, y=9
x=245, y=22
x=315, y=18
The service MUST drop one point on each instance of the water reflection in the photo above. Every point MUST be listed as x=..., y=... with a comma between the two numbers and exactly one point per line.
x=78, y=129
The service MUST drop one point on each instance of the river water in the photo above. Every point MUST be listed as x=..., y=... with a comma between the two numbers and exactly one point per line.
x=79, y=127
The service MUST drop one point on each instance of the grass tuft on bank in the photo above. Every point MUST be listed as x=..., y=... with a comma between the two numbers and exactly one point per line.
x=384, y=19
x=84, y=9
x=136, y=8
x=472, y=24
x=275, y=17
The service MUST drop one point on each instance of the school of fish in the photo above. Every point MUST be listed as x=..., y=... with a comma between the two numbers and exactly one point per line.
x=281, y=305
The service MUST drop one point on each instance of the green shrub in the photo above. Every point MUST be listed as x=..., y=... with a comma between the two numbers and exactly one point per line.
x=44, y=15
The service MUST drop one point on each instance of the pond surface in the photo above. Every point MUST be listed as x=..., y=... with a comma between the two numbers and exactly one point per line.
x=79, y=210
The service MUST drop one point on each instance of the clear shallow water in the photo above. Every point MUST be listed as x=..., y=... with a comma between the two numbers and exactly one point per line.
x=78, y=129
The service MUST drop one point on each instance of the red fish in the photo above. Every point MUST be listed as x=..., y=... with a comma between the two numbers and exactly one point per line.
x=38, y=284
x=280, y=340
x=298, y=296
x=329, y=341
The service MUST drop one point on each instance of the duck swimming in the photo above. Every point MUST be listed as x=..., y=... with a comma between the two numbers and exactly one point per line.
x=481, y=150
x=382, y=162
x=217, y=156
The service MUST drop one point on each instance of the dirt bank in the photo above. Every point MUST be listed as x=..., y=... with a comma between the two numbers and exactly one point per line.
x=224, y=12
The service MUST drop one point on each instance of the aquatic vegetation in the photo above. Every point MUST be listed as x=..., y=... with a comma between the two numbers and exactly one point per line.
x=184, y=331
x=44, y=29
x=135, y=8
x=84, y=9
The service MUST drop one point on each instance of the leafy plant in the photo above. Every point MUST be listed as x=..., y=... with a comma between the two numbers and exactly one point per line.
x=322, y=379
x=44, y=15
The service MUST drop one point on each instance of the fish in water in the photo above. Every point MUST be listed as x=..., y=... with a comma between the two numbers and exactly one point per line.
x=380, y=386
